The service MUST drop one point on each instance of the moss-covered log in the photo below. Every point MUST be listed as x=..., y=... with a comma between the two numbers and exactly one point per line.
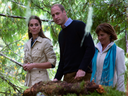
x=61, y=88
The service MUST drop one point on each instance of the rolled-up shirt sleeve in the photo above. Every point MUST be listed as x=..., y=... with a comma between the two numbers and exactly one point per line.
x=48, y=50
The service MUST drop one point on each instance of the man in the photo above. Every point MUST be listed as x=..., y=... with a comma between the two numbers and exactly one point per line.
x=75, y=60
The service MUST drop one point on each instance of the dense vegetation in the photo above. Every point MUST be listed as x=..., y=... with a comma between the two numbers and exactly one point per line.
x=13, y=32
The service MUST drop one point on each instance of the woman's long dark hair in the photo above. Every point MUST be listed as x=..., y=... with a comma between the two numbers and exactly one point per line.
x=41, y=34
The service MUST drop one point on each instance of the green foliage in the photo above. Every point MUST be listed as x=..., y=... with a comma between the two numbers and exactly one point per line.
x=70, y=95
x=108, y=92
x=121, y=42
x=82, y=84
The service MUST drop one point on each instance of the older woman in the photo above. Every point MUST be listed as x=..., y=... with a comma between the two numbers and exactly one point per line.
x=38, y=53
x=108, y=64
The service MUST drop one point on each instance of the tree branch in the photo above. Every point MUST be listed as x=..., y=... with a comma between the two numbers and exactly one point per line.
x=22, y=17
x=18, y=3
x=11, y=59
x=6, y=93
x=54, y=32
x=10, y=83
x=40, y=7
x=7, y=45
x=61, y=88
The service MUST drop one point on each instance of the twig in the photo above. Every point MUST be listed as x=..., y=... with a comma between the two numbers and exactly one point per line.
x=53, y=31
x=7, y=45
x=40, y=7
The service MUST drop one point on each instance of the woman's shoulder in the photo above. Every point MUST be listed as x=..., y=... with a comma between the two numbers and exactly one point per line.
x=44, y=39
x=27, y=42
x=119, y=50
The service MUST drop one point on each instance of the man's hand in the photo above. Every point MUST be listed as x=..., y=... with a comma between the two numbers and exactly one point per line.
x=55, y=79
x=80, y=73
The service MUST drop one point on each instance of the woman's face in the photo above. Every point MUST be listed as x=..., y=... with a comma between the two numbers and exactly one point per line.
x=34, y=27
x=104, y=38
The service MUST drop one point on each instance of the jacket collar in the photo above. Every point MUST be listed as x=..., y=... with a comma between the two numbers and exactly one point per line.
x=99, y=47
x=39, y=39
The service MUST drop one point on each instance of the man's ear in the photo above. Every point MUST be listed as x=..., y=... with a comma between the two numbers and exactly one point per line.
x=64, y=12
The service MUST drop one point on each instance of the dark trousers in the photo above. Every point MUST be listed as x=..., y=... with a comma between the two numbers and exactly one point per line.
x=69, y=77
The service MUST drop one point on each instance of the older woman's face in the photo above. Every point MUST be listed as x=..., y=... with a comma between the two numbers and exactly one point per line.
x=34, y=26
x=104, y=38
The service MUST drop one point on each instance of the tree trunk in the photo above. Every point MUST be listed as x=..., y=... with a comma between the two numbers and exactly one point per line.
x=60, y=88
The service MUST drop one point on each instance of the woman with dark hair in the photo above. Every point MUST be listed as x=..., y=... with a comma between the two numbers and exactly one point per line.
x=108, y=63
x=38, y=53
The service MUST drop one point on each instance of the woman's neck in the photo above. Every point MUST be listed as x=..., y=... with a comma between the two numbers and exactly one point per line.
x=34, y=37
x=105, y=45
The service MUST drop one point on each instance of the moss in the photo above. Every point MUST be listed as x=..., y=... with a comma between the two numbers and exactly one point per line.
x=109, y=92
x=82, y=84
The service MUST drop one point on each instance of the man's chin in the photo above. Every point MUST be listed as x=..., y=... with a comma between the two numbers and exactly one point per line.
x=58, y=23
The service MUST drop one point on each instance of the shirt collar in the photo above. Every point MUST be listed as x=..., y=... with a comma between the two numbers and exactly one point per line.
x=38, y=39
x=68, y=22
x=99, y=46
x=34, y=40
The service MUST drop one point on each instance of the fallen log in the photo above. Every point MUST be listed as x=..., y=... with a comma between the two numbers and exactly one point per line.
x=60, y=88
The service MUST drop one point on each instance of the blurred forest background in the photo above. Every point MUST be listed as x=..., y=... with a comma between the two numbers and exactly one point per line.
x=13, y=32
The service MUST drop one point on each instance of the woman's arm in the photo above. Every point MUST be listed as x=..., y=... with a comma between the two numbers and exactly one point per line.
x=30, y=66
x=120, y=67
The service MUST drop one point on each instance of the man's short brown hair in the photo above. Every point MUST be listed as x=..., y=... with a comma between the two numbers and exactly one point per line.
x=60, y=6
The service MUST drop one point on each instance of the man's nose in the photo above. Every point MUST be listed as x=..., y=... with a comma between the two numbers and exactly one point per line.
x=56, y=16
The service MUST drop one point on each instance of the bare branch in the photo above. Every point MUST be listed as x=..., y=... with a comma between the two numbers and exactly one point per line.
x=22, y=17
x=12, y=16
x=11, y=59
